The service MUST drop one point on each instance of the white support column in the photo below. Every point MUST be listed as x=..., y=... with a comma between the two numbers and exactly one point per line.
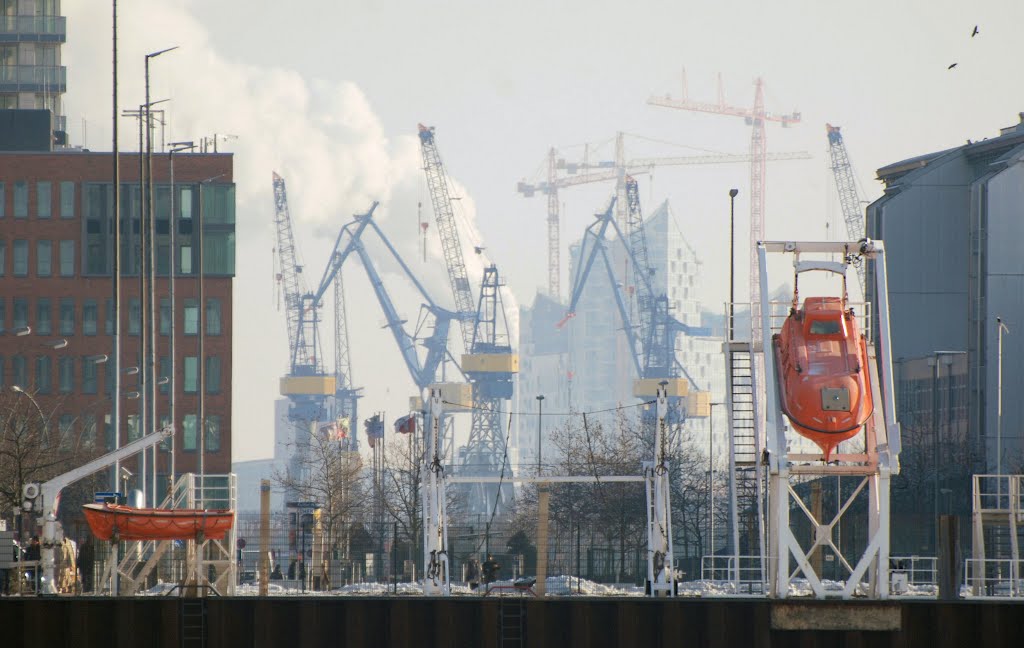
x=435, y=521
x=660, y=560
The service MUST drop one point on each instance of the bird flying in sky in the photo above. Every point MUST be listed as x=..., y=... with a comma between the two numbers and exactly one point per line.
x=975, y=32
x=951, y=66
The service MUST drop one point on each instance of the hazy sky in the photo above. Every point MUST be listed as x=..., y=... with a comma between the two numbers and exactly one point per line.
x=329, y=93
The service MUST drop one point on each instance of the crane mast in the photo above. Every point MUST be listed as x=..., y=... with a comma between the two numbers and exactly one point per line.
x=289, y=268
x=846, y=185
x=437, y=183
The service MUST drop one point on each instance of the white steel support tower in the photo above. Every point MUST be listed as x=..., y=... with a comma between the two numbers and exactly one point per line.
x=436, y=576
x=874, y=465
x=660, y=560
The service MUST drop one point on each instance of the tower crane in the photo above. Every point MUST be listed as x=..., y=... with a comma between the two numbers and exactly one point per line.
x=437, y=182
x=846, y=184
x=756, y=117
x=586, y=172
x=489, y=364
x=308, y=386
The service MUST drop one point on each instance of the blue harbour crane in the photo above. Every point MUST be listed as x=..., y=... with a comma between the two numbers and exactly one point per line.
x=652, y=340
x=314, y=394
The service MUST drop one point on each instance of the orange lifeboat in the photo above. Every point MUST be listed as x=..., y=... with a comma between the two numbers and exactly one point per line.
x=110, y=521
x=823, y=372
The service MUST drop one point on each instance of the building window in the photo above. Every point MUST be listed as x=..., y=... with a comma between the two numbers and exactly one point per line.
x=165, y=372
x=191, y=374
x=185, y=265
x=3, y=316
x=212, y=440
x=134, y=316
x=188, y=432
x=65, y=428
x=134, y=431
x=66, y=374
x=108, y=323
x=219, y=253
x=44, y=258
x=44, y=378
x=165, y=316
x=44, y=199
x=163, y=256
x=20, y=313
x=3, y=257
x=67, y=258
x=212, y=377
x=88, y=375
x=19, y=371
x=20, y=258
x=3, y=202
x=185, y=203
x=90, y=317
x=21, y=199
x=108, y=432
x=67, y=199
x=88, y=431
x=67, y=316
x=108, y=382
x=213, y=317
x=191, y=317
x=44, y=323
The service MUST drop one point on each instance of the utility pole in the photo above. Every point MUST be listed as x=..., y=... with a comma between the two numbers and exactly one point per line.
x=540, y=408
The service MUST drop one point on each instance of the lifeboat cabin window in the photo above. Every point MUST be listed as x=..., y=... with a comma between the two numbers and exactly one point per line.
x=825, y=327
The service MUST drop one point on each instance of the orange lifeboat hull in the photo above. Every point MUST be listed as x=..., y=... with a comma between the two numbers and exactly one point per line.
x=823, y=372
x=114, y=521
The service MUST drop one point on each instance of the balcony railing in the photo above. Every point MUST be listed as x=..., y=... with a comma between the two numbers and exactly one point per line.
x=53, y=26
x=41, y=76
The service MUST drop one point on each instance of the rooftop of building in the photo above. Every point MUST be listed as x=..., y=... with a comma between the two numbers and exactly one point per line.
x=994, y=149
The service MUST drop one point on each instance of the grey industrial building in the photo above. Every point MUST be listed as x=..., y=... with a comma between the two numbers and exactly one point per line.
x=953, y=225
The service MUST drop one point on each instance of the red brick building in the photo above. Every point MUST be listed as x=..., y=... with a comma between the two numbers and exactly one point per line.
x=56, y=251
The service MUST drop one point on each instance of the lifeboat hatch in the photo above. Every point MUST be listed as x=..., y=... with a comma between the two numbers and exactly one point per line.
x=835, y=399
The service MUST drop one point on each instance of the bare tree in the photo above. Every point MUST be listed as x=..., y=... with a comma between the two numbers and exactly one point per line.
x=36, y=445
x=332, y=476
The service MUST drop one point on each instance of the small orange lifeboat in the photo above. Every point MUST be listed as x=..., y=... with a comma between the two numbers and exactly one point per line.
x=114, y=521
x=823, y=372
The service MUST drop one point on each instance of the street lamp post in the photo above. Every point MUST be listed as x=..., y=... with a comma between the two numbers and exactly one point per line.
x=540, y=408
x=732, y=260
x=999, y=412
x=149, y=260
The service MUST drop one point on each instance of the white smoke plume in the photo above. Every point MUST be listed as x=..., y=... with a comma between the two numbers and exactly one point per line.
x=322, y=137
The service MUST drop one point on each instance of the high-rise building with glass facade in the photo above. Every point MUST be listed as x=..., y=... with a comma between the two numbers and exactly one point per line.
x=32, y=76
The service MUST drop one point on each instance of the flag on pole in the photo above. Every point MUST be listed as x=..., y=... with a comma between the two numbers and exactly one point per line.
x=374, y=430
x=406, y=424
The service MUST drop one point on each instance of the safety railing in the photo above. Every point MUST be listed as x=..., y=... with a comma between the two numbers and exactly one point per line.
x=736, y=574
x=994, y=578
x=913, y=575
x=999, y=493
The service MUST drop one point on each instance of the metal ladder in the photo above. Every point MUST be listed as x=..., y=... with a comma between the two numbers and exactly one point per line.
x=511, y=621
x=193, y=622
x=742, y=408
